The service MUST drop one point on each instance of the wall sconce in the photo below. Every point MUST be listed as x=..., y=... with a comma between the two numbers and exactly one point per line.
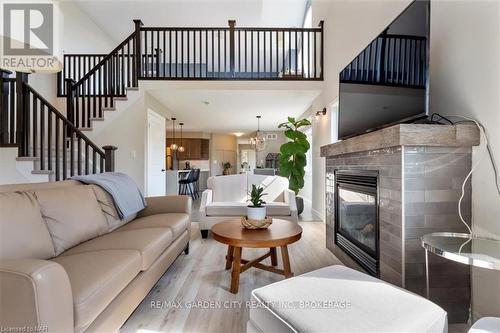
x=320, y=113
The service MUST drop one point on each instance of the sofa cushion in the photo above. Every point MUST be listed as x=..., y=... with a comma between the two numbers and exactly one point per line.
x=96, y=278
x=177, y=222
x=226, y=209
x=149, y=242
x=232, y=188
x=108, y=208
x=340, y=299
x=240, y=209
x=72, y=215
x=274, y=186
x=277, y=209
x=23, y=233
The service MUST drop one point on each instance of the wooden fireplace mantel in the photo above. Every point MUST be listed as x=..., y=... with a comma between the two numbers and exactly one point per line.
x=461, y=135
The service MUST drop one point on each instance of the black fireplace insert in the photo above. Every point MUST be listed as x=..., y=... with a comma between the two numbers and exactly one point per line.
x=357, y=217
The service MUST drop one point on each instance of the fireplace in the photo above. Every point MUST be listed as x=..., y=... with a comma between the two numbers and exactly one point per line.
x=356, y=216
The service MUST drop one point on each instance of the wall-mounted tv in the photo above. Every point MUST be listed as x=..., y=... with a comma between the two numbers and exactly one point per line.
x=387, y=83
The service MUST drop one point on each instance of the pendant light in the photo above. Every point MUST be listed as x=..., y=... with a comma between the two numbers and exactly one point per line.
x=173, y=146
x=259, y=141
x=181, y=147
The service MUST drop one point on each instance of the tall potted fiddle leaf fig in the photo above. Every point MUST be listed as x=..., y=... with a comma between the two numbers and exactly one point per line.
x=293, y=156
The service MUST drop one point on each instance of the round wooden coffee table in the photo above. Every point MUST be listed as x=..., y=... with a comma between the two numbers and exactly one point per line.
x=279, y=234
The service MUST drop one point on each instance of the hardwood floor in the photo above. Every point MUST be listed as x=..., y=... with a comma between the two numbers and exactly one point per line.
x=199, y=280
x=201, y=277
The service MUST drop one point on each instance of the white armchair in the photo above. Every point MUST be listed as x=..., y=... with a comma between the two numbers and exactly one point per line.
x=227, y=197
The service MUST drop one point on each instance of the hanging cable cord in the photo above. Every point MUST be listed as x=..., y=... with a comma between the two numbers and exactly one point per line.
x=487, y=149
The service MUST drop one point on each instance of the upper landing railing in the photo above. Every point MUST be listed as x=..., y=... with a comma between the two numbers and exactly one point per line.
x=198, y=53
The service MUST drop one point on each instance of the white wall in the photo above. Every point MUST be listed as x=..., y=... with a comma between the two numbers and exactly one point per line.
x=128, y=133
x=464, y=79
x=79, y=34
x=223, y=148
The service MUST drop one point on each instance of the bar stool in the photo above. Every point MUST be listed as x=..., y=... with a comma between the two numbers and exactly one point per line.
x=185, y=185
x=196, y=183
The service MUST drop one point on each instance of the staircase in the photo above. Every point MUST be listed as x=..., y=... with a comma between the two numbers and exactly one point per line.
x=95, y=83
x=48, y=147
x=52, y=147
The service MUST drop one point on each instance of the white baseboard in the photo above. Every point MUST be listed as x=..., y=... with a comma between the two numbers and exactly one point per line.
x=315, y=212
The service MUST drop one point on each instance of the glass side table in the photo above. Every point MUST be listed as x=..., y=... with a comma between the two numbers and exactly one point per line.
x=462, y=248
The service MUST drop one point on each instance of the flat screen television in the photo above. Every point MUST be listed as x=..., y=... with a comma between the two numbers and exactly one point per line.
x=387, y=82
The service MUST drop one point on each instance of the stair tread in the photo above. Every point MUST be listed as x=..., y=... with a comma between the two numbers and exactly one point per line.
x=27, y=158
x=42, y=172
x=97, y=119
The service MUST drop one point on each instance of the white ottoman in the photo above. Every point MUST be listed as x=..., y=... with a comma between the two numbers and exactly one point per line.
x=340, y=299
x=486, y=325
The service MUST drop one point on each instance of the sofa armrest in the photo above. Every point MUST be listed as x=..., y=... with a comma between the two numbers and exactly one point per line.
x=289, y=197
x=36, y=295
x=206, y=198
x=167, y=204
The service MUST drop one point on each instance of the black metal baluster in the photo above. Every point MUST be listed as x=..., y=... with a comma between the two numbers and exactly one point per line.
x=35, y=125
x=12, y=112
x=72, y=153
x=218, y=53
x=213, y=53
x=264, y=54
x=296, y=55
x=94, y=161
x=58, y=171
x=251, y=53
x=176, y=52
x=86, y=158
x=289, y=52
x=158, y=52
x=182, y=53
x=65, y=159
x=315, y=56
x=258, y=53
x=49, y=138
x=79, y=156
x=163, y=66
x=42, y=135
x=302, y=53
x=283, y=64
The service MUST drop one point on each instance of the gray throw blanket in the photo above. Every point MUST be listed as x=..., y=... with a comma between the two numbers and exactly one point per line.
x=126, y=195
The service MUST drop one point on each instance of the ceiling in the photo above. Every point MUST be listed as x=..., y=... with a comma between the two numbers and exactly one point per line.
x=234, y=111
x=117, y=20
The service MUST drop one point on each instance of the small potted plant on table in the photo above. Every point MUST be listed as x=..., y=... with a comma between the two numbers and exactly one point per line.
x=256, y=210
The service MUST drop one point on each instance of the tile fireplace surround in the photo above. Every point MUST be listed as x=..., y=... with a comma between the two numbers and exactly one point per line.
x=421, y=169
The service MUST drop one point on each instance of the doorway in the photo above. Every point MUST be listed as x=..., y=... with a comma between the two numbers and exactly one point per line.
x=156, y=159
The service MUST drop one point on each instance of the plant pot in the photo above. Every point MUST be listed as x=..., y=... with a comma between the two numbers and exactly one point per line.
x=256, y=213
x=300, y=204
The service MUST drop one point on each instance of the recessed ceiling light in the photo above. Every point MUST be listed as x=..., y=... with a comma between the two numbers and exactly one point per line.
x=238, y=134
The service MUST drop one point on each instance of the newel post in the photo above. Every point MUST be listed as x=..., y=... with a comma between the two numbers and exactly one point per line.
x=322, y=50
x=70, y=106
x=232, y=24
x=4, y=104
x=22, y=109
x=109, y=158
x=137, y=73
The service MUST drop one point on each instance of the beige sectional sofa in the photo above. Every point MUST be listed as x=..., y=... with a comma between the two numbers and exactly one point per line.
x=69, y=264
